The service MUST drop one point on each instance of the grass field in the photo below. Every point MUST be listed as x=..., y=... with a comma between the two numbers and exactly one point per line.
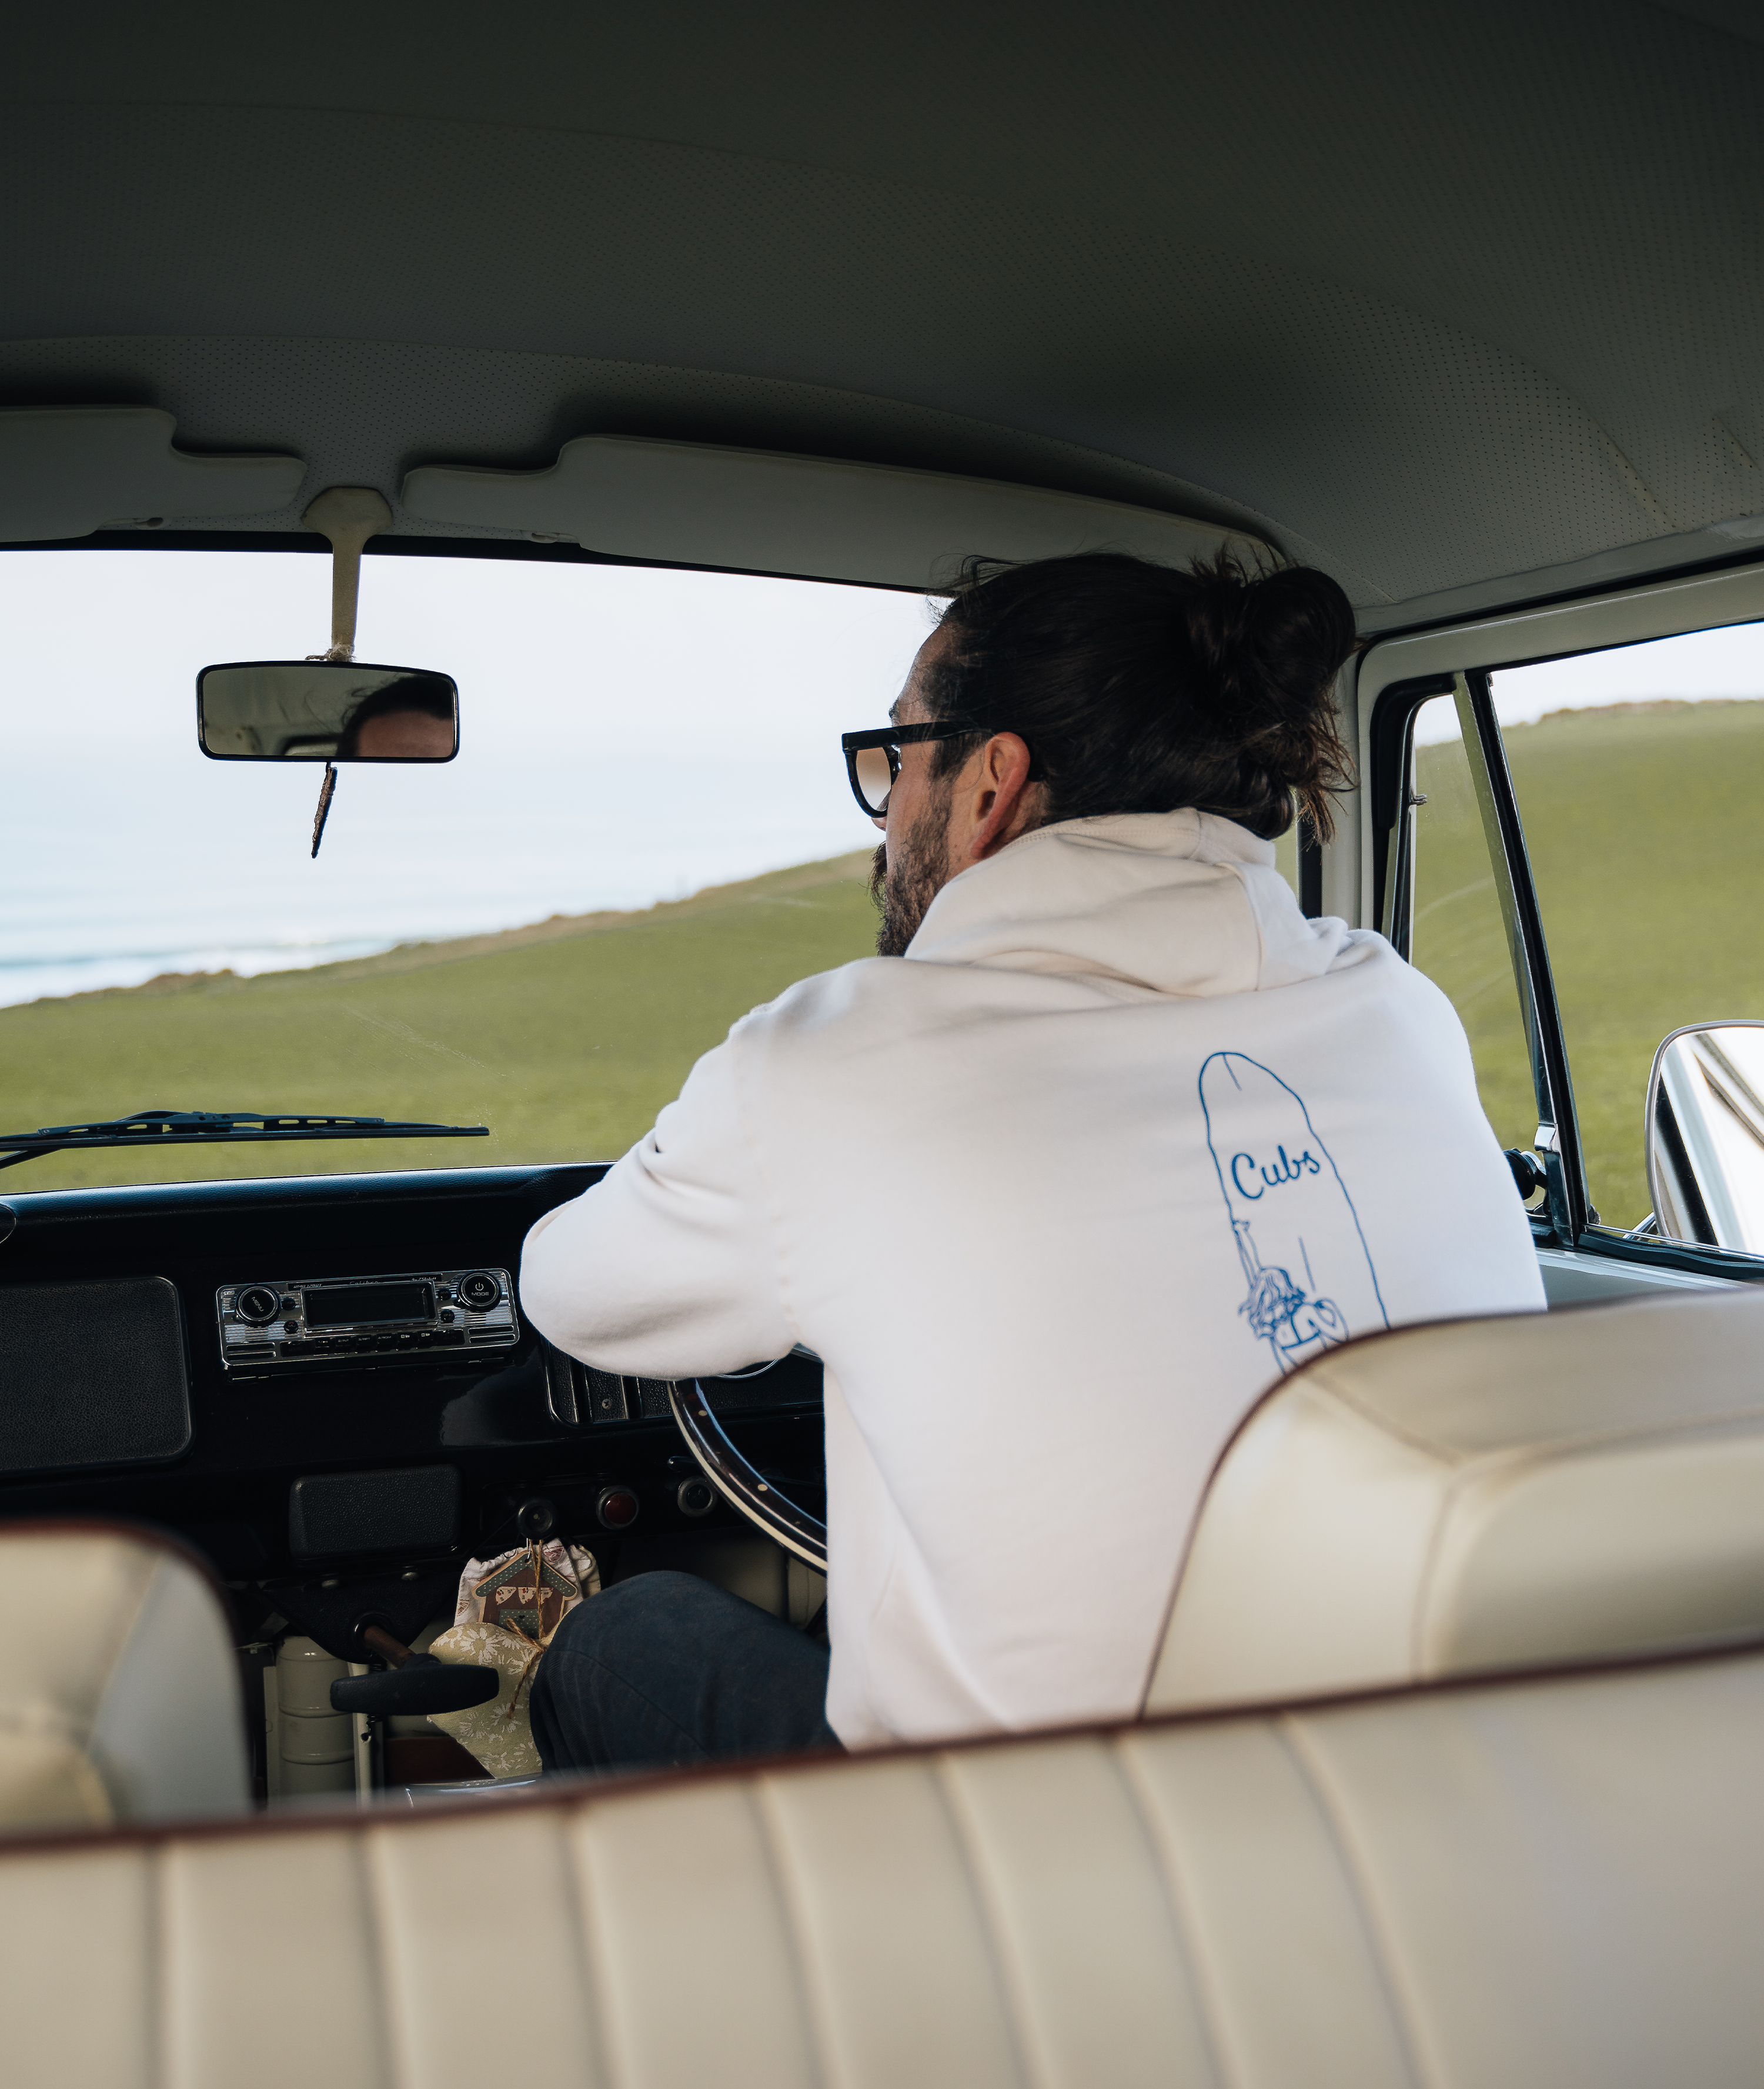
x=1645, y=836
x=566, y=1038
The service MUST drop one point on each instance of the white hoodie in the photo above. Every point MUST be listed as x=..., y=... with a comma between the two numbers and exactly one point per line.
x=1056, y=1196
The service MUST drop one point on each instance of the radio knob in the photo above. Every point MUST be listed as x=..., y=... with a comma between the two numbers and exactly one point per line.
x=256, y=1303
x=479, y=1289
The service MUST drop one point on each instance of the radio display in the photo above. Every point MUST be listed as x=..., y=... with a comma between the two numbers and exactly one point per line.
x=350, y=1306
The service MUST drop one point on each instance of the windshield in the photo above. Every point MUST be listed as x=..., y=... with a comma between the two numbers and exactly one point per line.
x=647, y=832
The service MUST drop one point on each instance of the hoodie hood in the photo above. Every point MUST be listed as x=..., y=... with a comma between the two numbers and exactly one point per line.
x=1182, y=904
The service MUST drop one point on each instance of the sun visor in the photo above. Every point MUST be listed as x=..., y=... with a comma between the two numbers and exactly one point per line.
x=752, y=511
x=67, y=470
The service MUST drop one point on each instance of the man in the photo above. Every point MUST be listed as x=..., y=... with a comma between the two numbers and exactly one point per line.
x=1105, y=1139
x=410, y=720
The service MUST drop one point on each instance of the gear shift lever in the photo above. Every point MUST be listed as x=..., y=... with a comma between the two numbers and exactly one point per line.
x=414, y=1684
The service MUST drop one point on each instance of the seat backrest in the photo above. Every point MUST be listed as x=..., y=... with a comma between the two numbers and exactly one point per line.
x=1558, y=1882
x=119, y=1688
x=1479, y=1495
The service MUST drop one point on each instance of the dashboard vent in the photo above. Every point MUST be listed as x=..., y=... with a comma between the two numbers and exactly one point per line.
x=578, y=1395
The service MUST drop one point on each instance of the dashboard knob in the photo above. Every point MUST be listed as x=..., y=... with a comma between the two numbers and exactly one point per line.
x=695, y=1496
x=616, y=1508
x=536, y=1517
x=479, y=1290
x=257, y=1304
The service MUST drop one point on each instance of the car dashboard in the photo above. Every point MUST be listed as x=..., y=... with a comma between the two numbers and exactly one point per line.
x=325, y=1386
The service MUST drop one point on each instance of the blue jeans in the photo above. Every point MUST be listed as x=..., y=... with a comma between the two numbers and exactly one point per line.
x=666, y=1668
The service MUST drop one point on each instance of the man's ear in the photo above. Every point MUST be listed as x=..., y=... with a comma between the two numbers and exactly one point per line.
x=998, y=800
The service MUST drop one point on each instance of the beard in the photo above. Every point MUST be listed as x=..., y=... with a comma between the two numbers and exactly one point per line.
x=902, y=892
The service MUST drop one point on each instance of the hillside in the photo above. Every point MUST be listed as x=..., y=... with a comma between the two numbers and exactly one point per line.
x=565, y=1037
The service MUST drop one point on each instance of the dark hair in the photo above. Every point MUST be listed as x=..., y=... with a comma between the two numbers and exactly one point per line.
x=428, y=695
x=1140, y=688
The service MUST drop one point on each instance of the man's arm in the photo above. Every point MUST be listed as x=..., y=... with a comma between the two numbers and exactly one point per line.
x=667, y=1267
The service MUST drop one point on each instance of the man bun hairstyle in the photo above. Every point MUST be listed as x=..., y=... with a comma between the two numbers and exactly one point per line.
x=1142, y=688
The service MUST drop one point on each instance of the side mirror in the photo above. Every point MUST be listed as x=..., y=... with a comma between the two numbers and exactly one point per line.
x=1705, y=1136
x=325, y=710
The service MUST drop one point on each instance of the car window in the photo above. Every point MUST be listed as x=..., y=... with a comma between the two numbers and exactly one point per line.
x=1459, y=932
x=1287, y=857
x=647, y=830
x=1638, y=773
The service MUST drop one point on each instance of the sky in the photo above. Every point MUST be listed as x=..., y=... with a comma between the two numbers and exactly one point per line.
x=1694, y=668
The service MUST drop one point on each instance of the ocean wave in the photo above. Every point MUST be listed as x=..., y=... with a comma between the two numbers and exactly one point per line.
x=51, y=976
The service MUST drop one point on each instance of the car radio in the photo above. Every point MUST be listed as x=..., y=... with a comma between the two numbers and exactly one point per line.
x=279, y=1321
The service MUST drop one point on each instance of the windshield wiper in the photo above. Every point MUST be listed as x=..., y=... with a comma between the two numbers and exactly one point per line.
x=164, y=1127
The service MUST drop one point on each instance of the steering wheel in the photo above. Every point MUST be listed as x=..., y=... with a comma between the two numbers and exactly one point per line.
x=740, y=1483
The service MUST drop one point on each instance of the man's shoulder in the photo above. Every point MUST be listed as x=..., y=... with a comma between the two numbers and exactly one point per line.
x=872, y=1006
x=849, y=990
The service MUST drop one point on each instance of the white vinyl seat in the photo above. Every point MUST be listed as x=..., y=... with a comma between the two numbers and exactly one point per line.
x=1512, y=1886
x=119, y=1692
x=1482, y=1495
x=1507, y=1881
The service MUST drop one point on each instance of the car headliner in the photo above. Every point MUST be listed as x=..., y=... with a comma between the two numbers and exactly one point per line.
x=1465, y=304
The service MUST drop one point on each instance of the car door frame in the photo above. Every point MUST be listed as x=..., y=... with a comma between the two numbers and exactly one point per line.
x=1393, y=678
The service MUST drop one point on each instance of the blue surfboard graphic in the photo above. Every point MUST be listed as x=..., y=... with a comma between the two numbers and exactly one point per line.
x=1312, y=1282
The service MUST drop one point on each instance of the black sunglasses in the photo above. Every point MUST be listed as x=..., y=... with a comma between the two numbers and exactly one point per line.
x=873, y=759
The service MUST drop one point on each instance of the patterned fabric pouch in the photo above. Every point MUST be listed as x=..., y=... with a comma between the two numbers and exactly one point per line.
x=509, y=1610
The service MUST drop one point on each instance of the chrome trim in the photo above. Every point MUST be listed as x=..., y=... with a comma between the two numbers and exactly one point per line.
x=737, y=1482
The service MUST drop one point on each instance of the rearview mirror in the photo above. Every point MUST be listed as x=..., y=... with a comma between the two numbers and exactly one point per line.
x=326, y=710
x=1706, y=1136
